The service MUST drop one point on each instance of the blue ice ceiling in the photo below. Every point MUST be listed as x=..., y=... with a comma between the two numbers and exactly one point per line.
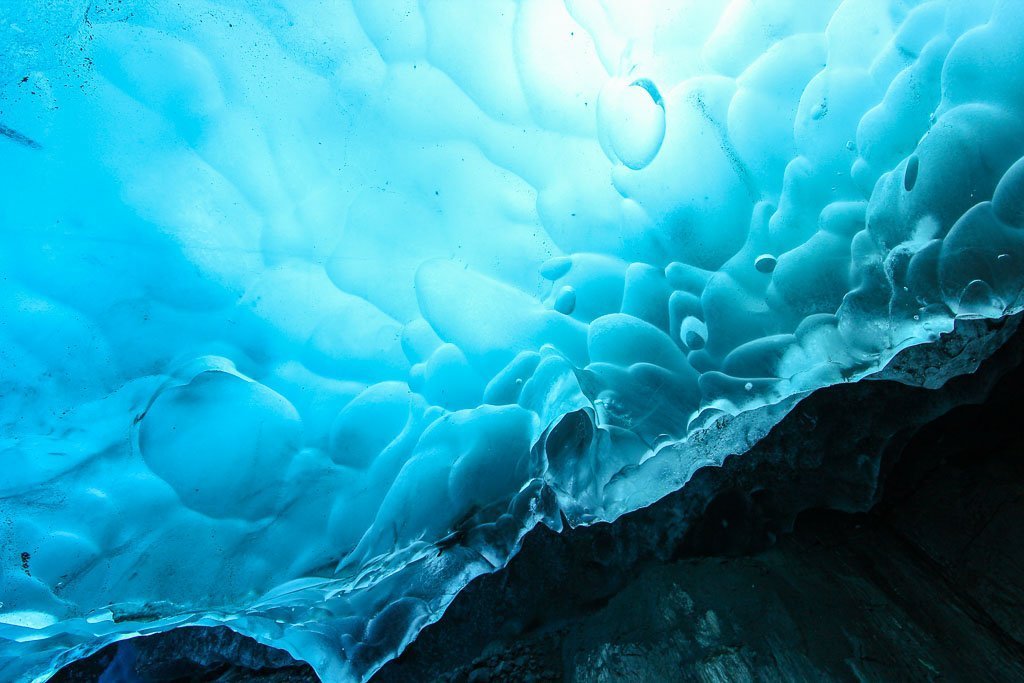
x=310, y=309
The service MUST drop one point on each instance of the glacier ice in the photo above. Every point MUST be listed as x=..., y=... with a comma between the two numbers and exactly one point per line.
x=310, y=309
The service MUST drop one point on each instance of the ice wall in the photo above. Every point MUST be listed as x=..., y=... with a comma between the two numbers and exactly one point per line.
x=310, y=309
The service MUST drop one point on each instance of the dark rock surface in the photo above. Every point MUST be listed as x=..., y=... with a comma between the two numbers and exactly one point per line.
x=926, y=586
x=188, y=654
x=754, y=572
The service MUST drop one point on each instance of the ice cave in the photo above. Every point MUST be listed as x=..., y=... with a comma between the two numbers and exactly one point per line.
x=312, y=310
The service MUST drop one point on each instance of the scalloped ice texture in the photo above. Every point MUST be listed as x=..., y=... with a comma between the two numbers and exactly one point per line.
x=310, y=309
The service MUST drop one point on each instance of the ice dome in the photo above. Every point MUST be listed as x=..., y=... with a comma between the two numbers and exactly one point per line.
x=311, y=309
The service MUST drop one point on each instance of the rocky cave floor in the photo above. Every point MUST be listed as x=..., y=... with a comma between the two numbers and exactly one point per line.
x=926, y=585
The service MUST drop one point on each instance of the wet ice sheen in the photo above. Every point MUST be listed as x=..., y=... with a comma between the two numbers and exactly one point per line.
x=311, y=309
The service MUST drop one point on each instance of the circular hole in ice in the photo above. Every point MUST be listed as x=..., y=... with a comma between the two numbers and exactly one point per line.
x=693, y=332
x=910, y=175
x=631, y=120
x=765, y=263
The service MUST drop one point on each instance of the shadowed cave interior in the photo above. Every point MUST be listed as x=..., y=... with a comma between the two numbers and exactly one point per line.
x=759, y=570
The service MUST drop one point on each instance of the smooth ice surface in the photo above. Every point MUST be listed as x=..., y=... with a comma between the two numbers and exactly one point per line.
x=310, y=309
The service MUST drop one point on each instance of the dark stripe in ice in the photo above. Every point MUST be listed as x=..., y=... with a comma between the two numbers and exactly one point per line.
x=18, y=137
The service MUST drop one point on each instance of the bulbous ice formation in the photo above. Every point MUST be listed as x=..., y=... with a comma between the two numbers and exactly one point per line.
x=631, y=122
x=311, y=309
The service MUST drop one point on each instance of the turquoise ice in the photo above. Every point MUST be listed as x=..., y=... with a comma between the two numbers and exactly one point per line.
x=310, y=309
